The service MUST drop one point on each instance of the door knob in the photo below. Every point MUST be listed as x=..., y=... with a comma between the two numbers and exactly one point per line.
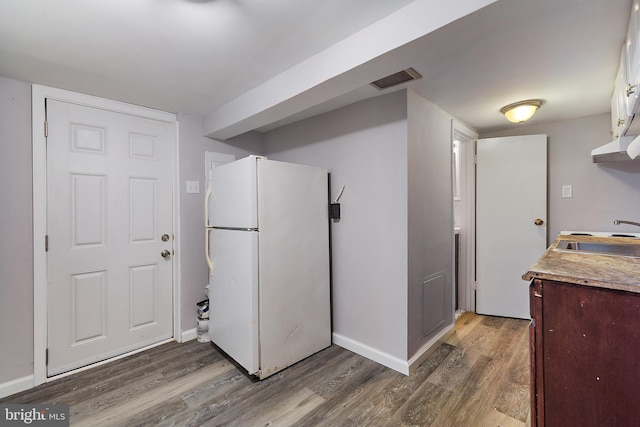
x=538, y=221
x=165, y=254
x=165, y=237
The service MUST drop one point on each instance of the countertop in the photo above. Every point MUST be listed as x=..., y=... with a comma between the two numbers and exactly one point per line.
x=604, y=271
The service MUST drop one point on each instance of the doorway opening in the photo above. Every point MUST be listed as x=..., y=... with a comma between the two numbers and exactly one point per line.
x=463, y=184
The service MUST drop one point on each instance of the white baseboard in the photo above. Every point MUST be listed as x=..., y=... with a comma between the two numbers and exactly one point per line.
x=429, y=347
x=393, y=362
x=188, y=335
x=371, y=353
x=16, y=386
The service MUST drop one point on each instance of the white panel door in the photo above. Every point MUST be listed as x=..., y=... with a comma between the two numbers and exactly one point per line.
x=511, y=195
x=109, y=195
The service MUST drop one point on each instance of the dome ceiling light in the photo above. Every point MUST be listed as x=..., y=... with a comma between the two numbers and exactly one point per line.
x=522, y=111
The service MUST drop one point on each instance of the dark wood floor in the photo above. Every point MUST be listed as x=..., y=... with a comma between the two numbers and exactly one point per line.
x=479, y=377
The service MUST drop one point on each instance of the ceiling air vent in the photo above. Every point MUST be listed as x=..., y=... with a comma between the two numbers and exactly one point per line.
x=397, y=78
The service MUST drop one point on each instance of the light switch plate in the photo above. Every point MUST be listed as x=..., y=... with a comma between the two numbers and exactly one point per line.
x=567, y=191
x=193, y=187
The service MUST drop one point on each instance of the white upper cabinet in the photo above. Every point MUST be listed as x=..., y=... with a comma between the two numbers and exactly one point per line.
x=629, y=88
x=632, y=51
x=619, y=120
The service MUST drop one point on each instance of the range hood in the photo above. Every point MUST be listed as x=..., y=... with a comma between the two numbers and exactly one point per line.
x=623, y=148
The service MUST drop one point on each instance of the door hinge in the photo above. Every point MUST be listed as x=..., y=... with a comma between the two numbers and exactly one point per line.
x=46, y=243
x=475, y=159
x=474, y=284
x=46, y=129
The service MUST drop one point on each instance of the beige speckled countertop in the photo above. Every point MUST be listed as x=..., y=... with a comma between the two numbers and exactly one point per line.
x=589, y=269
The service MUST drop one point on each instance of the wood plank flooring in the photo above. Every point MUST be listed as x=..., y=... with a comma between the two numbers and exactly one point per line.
x=479, y=377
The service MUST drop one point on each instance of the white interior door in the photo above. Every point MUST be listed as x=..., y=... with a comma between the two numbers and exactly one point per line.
x=511, y=194
x=109, y=195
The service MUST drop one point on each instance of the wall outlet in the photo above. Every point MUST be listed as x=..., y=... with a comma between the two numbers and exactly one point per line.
x=193, y=187
x=567, y=191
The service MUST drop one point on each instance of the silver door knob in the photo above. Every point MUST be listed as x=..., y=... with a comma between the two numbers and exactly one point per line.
x=165, y=237
x=165, y=254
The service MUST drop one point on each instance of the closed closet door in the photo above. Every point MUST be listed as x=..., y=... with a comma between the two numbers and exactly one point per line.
x=511, y=214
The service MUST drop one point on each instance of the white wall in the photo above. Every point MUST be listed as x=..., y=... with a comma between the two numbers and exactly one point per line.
x=430, y=222
x=193, y=145
x=364, y=147
x=16, y=250
x=601, y=192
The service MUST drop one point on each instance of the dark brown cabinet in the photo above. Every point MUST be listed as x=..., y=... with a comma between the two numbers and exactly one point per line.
x=585, y=355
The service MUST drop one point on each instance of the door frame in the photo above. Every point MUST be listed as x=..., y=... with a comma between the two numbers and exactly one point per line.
x=39, y=157
x=467, y=288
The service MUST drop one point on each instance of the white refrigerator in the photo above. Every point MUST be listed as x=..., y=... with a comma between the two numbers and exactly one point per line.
x=268, y=248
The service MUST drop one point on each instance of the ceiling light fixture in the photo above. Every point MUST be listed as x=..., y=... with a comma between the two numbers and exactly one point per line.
x=522, y=111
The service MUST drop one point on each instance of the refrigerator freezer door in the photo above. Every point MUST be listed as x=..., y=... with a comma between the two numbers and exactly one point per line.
x=233, y=201
x=293, y=214
x=233, y=294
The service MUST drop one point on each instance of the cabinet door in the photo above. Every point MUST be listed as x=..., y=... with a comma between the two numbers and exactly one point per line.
x=535, y=354
x=619, y=100
x=591, y=351
x=632, y=50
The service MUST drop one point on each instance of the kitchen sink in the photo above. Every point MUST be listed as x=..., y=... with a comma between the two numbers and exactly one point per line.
x=619, y=249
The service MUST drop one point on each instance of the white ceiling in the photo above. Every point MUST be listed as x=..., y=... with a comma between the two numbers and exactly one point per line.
x=218, y=58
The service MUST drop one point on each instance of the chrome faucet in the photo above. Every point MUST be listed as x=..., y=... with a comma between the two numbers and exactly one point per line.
x=620, y=221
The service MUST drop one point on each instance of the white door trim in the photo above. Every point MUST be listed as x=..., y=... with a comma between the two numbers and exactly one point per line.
x=38, y=95
x=467, y=235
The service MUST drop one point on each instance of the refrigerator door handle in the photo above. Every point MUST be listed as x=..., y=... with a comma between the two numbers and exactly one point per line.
x=234, y=228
